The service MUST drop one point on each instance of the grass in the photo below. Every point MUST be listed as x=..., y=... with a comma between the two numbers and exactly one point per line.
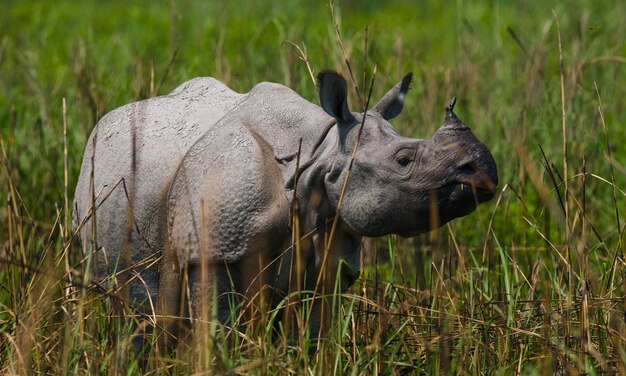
x=531, y=283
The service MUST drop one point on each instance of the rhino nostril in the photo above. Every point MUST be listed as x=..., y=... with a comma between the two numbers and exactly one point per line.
x=476, y=177
x=467, y=169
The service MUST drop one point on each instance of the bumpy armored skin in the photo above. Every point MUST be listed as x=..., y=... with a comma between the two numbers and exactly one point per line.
x=129, y=163
x=196, y=188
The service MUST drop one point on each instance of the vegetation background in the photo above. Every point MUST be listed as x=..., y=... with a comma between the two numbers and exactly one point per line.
x=531, y=283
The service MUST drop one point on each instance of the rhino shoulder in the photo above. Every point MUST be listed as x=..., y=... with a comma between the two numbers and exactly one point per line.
x=226, y=200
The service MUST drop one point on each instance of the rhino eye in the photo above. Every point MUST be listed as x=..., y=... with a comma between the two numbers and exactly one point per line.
x=404, y=158
x=403, y=161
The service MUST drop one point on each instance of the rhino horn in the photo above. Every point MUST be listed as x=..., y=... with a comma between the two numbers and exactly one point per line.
x=391, y=104
x=452, y=121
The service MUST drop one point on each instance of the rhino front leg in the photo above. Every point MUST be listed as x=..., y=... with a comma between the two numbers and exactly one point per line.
x=169, y=308
x=238, y=293
x=213, y=296
x=212, y=293
x=337, y=267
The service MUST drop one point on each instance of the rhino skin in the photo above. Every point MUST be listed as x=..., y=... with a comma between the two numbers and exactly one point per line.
x=194, y=191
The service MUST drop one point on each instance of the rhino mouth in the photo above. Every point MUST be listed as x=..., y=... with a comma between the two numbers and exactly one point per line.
x=480, y=192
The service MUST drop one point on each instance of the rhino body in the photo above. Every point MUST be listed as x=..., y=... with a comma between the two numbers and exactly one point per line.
x=206, y=188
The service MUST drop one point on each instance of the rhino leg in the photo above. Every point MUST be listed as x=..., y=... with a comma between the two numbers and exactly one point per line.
x=190, y=293
x=168, y=299
x=228, y=218
x=337, y=267
x=258, y=280
x=213, y=284
x=237, y=293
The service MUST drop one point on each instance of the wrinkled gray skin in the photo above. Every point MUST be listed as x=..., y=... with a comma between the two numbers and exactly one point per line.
x=208, y=178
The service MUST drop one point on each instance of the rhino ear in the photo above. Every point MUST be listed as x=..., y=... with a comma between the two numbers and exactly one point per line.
x=334, y=96
x=391, y=104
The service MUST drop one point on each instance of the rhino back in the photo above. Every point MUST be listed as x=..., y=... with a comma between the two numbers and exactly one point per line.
x=136, y=150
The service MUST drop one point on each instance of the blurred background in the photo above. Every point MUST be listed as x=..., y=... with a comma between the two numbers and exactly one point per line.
x=533, y=80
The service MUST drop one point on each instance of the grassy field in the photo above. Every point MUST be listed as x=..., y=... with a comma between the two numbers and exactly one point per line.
x=532, y=283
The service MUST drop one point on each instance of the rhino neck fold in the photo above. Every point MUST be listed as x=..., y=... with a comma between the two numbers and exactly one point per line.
x=283, y=118
x=309, y=155
x=317, y=211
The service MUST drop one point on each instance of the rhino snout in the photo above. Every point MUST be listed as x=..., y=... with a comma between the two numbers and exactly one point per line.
x=480, y=180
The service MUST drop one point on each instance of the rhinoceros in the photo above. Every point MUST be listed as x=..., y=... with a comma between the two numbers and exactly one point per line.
x=262, y=193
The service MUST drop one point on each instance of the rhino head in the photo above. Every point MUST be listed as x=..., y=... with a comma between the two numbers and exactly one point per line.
x=400, y=185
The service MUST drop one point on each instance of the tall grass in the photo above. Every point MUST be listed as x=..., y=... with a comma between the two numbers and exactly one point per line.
x=533, y=282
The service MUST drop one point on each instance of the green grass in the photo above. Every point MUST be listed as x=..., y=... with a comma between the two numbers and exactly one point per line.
x=533, y=282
